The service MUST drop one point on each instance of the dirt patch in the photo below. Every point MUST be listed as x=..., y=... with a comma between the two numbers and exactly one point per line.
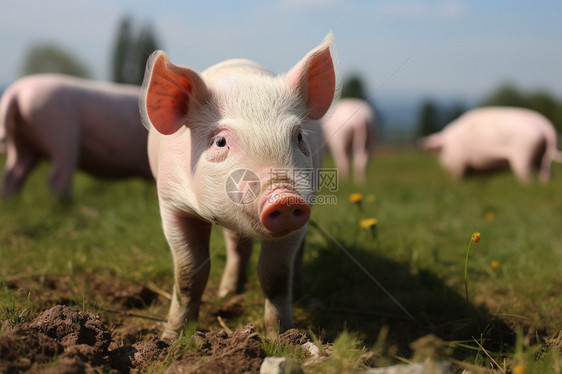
x=76, y=341
x=65, y=340
x=71, y=327
x=57, y=289
x=71, y=336
x=138, y=356
x=21, y=347
x=294, y=337
x=219, y=352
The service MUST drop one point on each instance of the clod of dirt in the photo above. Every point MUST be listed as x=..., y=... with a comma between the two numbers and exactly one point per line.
x=78, y=339
x=21, y=347
x=71, y=327
x=238, y=352
x=138, y=355
x=78, y=342
x=294, y=337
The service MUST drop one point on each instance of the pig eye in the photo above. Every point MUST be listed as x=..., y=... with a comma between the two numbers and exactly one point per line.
x=302, y=144
x=220, y=142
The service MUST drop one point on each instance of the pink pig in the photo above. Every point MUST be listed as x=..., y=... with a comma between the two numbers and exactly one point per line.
x=349, y=129
x=75, y=123
x=235, y=125
x=496, y=137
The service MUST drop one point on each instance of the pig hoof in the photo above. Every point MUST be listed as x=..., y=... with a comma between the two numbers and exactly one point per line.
x=169, y=334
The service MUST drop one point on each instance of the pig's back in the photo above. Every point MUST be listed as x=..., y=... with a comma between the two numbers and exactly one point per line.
x=101, y=118
x=499, y=123
x=494, y=132
x=349, y=119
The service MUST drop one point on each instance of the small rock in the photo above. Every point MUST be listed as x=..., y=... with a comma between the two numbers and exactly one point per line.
x=280, y=365
x=311, y=349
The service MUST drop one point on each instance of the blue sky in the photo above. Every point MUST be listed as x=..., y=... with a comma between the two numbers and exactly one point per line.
x=402, y=48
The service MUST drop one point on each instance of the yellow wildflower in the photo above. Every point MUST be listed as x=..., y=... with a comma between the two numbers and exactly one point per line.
x=495, y=265
x=368, y=223
x=519, y=369
x=356, y=198
x=476, y=237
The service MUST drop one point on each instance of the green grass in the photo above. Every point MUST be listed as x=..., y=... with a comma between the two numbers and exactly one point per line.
x=417, y=253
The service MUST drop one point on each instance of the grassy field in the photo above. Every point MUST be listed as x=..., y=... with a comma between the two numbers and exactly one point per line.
x=371, y=289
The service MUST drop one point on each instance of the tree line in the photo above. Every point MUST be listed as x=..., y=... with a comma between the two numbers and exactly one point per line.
x=433, y=116
x=133, y=44
x=131, y=48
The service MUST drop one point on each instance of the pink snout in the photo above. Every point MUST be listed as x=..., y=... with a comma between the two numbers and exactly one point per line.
x=283, y=210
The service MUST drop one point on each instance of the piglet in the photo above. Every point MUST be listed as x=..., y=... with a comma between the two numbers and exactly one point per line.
x=492, y=138
x=349, y=129
x=235, y=146
x=75, y=123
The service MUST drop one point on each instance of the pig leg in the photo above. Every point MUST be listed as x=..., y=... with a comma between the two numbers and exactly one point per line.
x=545, y=167
x=19, y=163
x=188, y=239
x=341, y=154
x=545, y=173
x=361, y=148
x=65, y=153
x=60, y=178
x=521, y=167
x=360, y=163
x=297, y=272
x=275, y=271
x=238, y=251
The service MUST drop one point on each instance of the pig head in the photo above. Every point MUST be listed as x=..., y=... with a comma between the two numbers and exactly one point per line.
x=234, y=146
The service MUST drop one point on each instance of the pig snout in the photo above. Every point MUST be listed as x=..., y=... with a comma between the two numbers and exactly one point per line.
x=283, y=210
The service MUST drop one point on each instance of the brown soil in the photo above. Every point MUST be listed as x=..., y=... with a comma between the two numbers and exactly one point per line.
x=65, y=340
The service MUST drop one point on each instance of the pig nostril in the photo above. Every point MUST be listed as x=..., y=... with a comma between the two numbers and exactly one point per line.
x=284, y=215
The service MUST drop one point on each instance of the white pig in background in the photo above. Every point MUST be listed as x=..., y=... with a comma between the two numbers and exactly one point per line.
x=490, y=138
x=349, y=129
x=231, y=146
x=75, y=123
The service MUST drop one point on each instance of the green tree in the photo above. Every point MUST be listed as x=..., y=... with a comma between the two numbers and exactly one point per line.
x=543, y=102
x=558, y=118
x=452, y=113
x=50, y=58
x=353, y=87
x=505, y=95
x=121, y=71
x=540, y=101
x=428, y=118
x=146, y=44
x=130, y=52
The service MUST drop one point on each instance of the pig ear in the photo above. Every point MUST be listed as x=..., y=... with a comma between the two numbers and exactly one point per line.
x=315, y=80
x=169, y=92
